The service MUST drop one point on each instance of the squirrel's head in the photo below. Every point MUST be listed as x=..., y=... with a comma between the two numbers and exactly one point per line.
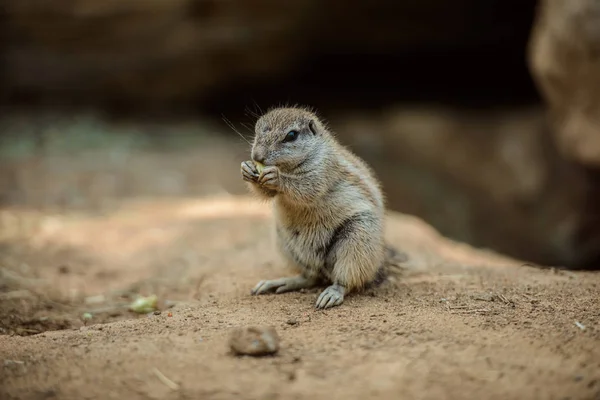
x=287, y=137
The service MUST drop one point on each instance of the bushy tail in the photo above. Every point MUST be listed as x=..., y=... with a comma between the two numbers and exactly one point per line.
x=395, y=260
x=392, y=266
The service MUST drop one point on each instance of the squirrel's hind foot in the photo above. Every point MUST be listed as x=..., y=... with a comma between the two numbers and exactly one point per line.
x=331, y=297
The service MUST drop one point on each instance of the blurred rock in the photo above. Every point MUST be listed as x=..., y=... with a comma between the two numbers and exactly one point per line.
x=565, y=61
x=564, y=57
x=153, y=52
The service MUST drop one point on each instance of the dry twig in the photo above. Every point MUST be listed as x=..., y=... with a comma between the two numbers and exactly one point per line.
x=479, y=310
x=169, y=383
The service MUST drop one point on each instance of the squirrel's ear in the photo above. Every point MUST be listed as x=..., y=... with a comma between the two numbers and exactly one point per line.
x=312, y=127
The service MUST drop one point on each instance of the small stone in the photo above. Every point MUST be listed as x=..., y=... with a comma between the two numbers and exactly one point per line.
x=292, y=321
x=254, y=341
x=157, y=312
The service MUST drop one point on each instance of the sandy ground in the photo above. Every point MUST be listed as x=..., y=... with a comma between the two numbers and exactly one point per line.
x=460, y=323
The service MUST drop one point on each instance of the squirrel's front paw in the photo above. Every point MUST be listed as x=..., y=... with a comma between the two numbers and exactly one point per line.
x=249, y=172
x=269, y=178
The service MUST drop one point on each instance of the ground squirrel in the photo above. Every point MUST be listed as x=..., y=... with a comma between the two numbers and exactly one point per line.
x=327, y=203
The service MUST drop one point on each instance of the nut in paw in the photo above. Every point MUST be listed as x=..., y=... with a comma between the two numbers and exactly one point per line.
x=269, y=178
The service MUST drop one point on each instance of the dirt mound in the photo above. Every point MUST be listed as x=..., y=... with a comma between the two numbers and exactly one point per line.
x=459, y=323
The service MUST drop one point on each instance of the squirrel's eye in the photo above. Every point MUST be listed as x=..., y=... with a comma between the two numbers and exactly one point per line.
x=291, y=136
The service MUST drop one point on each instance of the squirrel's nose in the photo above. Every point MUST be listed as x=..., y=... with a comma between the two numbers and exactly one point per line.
x=259, y=155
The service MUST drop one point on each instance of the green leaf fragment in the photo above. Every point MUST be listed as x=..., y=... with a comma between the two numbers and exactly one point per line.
x=144, y=305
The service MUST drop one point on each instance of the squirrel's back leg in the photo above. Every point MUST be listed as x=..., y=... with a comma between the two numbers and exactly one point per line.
x=354, y=257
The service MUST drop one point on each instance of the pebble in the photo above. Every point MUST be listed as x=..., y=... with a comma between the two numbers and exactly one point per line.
x=254, y=340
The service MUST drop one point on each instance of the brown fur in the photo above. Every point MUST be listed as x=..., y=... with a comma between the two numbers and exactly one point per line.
x=327, y=203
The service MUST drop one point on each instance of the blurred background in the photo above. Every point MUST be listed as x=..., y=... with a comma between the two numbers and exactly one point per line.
x=480, y=116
